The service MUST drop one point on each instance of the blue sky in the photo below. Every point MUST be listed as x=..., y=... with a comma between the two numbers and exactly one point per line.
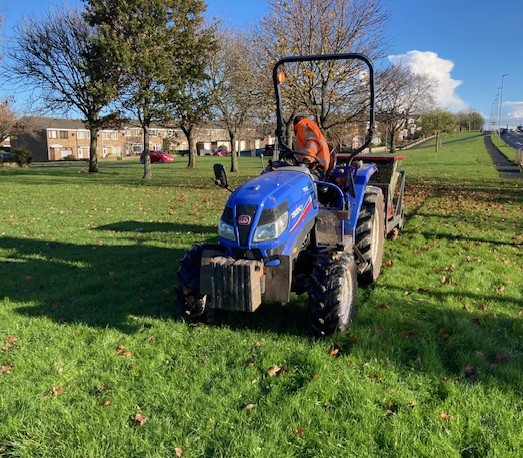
x=466, y=44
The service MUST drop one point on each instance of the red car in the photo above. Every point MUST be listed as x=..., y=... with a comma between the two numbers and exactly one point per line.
x=157, y=156
x=221, y=152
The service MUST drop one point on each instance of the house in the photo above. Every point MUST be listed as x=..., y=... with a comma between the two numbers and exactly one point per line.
x=51, y=139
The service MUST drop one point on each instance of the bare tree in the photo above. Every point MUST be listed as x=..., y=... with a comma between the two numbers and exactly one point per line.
x=233, y=72
x=328, y=90
x=402, y=94
x=57, y=56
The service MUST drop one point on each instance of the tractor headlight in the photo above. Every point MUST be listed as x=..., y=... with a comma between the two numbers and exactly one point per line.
x=226, y=230
x=273, y=229
x=226, y=226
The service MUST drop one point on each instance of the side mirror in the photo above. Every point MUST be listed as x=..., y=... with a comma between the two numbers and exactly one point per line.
x=220, y=176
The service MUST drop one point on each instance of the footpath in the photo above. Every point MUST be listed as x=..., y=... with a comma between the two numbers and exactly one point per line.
x=505, y=168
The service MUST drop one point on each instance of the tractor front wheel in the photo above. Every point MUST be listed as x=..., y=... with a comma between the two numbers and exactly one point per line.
x=190, y=301
x=332, y=296
x=370, y=233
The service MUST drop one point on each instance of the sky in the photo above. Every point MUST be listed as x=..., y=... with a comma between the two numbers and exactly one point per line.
x=466, y=45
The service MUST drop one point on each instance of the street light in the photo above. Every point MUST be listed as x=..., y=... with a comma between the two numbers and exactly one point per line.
x=500, y=103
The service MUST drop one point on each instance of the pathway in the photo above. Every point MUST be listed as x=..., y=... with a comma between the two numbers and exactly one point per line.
x=505, y=168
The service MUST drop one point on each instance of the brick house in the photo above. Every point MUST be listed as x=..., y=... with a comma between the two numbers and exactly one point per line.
x=51, y=139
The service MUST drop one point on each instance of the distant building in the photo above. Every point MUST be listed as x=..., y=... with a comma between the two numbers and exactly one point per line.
x=51, y=139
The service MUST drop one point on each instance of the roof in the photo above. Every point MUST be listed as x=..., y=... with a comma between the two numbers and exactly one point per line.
x=43, y=122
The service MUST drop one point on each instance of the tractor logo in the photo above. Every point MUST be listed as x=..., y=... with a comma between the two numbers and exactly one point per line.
x=244, y=220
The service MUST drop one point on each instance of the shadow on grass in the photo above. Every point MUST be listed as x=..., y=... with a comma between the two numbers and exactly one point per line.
x=145, y=227
x=109, y=286
x=431, y=142
x=121, y=287
x=422, y=334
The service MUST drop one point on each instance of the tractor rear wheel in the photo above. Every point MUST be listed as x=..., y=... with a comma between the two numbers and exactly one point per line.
x=370, y=233
x=332, y=296
x=190, y=301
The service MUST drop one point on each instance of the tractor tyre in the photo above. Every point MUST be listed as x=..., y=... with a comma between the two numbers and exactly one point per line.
x=190, y=301
x=332, y=296
x=370, y=233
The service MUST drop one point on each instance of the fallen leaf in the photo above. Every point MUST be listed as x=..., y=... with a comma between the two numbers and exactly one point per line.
x=373, y=377
x=389, y=263
x=411, y=405
x=481, y=306
x=250, y=406
x=300, y=432
x=412, y=335
x=5, y=368
x=179, y=452
x=139, y=419
x=423, y=290
x=446, y=416
x=501, y=358
x=471, y=373
x=467, y=308
x=273, y=371
x=11, y=340
x=57, y=391
x=107, y=402
x=383, y=306
x=99, y=389
x=444, y=334
x=449, y=268
x=335, y=350
x=249, y=362
x=501, y=288
x=122, y=351
x=445, y=280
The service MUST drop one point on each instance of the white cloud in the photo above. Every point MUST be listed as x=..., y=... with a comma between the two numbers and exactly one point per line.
x=429, y=63
x=516, y=111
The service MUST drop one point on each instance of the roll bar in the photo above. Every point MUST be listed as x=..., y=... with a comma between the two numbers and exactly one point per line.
x=322, y=57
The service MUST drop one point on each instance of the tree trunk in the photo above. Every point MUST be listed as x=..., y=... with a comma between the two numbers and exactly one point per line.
x=147, y=170
x=93, y=145
x=234, y=152
x=438, y=145
x=392, y=149
x=192, y=147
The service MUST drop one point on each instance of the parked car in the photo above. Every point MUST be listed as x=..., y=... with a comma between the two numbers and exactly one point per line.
x=221, y=151
x=157, y=156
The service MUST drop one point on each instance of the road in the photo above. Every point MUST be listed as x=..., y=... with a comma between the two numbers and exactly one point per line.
x=514, y=139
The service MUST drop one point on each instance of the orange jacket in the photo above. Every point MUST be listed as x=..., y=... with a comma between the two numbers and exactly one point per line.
x=309, y=139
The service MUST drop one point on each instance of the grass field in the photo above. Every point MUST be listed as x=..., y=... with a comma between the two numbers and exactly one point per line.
x=95, y=362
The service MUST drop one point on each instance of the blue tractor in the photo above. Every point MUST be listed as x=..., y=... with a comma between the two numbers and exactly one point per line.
x=284, y=231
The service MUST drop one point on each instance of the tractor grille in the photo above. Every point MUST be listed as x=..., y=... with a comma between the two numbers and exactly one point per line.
x=244, y=218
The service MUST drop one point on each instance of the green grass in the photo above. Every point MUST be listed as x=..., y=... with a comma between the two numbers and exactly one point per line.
x=89, y=337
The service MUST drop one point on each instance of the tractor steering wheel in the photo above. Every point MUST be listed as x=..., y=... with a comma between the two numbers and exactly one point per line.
x=292, y=154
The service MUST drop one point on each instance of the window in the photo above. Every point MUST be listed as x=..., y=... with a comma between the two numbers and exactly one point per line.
x=105, y=135
x=64, y=134
x=83, y=134
x=52, y=134
x=114, y=135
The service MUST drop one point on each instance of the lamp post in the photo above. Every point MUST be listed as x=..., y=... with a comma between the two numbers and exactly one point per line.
x=500, y=103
